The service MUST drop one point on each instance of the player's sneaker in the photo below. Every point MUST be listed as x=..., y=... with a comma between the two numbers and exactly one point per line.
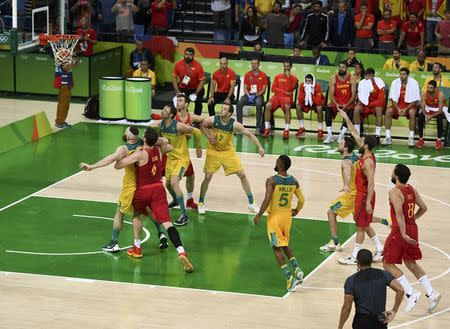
x=183, y=220
x=201, y=208
x=135, y=252
x=292, y=283
x=266, y=133
x=387, y=141
x=420, y=143
x=300, y=132
x=254, y=208
x=350, y=260
x=328, y=140
x=412, y=301
x=330, y=246
x=411, y=142
x=320, y=134
x=163, y=241
x=378, y=256
x=191, y=204
x=188, y=268
x=299, y=275
x=433, y=300
x=286, y=134
x=173, y=204
x=439, y=145
x=112, y=246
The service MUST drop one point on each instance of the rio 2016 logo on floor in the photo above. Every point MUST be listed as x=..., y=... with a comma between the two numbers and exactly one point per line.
x=388, y=154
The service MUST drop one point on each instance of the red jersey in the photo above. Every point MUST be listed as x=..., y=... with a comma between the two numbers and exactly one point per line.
x=224, y=79
x=283, y=85
x=363, y=33
x=150, y=173
x=432, y=101
x=160, y=16
x=383, y=25
x=342, y=90
x=412, y=33
x=377, y=96
x=408, y=207
x=254, y=83
x=360, y=178
x=317, y=98
x=188, y=118
x=188, y=75
x=401, y=100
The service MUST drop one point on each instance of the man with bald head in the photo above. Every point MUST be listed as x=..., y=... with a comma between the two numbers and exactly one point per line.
x=222, y=86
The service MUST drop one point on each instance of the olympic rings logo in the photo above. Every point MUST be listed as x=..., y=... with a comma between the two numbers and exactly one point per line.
x=4, y=38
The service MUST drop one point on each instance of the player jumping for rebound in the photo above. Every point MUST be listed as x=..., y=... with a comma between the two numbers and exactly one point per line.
x=280, y=190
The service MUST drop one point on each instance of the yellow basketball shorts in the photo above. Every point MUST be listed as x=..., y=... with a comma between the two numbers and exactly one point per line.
x=126, y=200
x=278, y=228
x=227, y=159
x=344, y=205
x=176, y=168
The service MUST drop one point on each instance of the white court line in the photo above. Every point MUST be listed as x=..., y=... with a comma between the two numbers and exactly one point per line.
x=147, y=236
x=420, y=319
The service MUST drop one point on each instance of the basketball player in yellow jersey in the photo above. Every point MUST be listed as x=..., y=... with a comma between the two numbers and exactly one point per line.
x=125, y=205
x=220, y=152
x=178, y=160
x=280, y=190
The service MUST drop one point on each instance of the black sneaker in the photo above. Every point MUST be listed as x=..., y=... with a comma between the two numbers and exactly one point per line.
x=173, y=204
x=378, y=140
x=183, y=220
x=163, y=241
x=112, y=246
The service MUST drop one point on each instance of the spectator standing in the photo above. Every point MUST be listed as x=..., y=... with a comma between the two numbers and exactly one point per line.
x=443, y=34
x=264, y=8
x=292, y=34
x=363, y=24
x=88, y=38
x=97, y=15
x=250, y=27
x=108, y=23
x=82, y=8
x=275, y=26
x=316, y=31
x=142, y=17
x=222, y=10
x=415, y=6
x=144, y=72
x=420, y=64
x=342, y=27
x=222, y=86
x=367, y=289
x=414, y=31
x=140, y=53
x=124, y=10
x=160, y=16
x=434, y=12
x=189, y=79
x=395, y=63
x=386, y=29
x=255, y=86
x=319, y=58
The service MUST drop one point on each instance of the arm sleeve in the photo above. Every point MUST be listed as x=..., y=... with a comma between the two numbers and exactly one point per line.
x=348, y=287
x=300, y=197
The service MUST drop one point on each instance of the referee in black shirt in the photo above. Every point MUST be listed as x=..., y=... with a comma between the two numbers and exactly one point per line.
x=367, y=288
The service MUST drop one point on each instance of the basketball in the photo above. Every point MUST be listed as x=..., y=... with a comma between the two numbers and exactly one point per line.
x=63, y=55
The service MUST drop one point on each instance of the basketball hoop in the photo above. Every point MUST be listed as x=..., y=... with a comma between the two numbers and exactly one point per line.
x=62, y=46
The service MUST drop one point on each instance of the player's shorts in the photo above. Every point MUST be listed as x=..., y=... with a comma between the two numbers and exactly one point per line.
x=335, y=111
x=125, y=201
x=227, y=159
x=280, y=102
x=188, y=173
x=344, y=205
x=176, y=168
x=362, y=218
x=307, y=108
x=368, y=110
x=396, y=249
x=429, y=109
x=278, y=228
x=154, y=197
x=395, y=114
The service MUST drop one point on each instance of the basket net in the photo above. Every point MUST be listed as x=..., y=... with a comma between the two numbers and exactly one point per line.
x=63, y=46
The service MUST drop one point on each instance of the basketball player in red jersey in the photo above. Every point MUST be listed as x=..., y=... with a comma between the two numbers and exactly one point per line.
x=150, y=195
x=365, y=194
x=342, y=97
x=402, y=243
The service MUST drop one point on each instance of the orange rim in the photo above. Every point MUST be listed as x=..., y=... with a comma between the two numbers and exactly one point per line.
x=55, y=37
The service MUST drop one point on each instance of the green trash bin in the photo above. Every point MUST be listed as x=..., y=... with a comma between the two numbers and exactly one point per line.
x=138, y=101
x=112, y=102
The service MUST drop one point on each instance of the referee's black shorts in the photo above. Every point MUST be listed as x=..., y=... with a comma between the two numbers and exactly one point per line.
x=367, y=321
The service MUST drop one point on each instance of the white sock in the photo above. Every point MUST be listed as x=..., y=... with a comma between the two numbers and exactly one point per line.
x=330, y=131
x=137, y=243
x=358, y=128
x=286, y=126
x=343, y=130
x=377, y=131
x=426, y=284
x=190, y=195
x=406, y=285
x=356, y=249
x=181, y=250
x=388, y=133
x=411, y=134
x=320, y=126
x=267, y=124
x=377, y=243
x=300, y=122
